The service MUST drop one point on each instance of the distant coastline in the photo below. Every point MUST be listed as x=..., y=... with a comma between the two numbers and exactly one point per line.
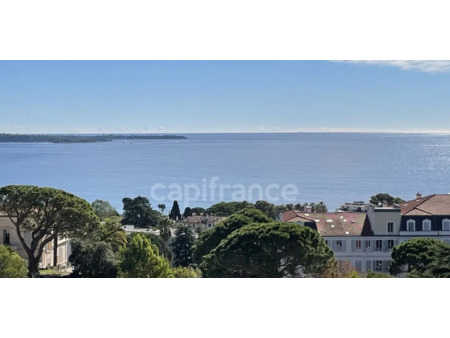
x=70, y=138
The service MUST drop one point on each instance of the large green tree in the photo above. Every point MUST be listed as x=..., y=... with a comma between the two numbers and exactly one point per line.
x=140, y=259
x=414, y=256
x=270, y=250
x=103, y=209
x=138, y=212
x=182, y=246
x=163, y=249
x=11, y=264
x=110, y=231
x=211, y=238
x=175, y=213
x=227, y=208
x=45, y=214
x=164, y=226
x=266, y=207
x=93, y=260
x=381, y=198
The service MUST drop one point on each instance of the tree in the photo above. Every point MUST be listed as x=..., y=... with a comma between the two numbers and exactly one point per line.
x=11, y=264
x=415, y=255
x=320, y=207
x=211, y=238
x=163, y=249
x=103, y=209
x=227, y=208
x=269, y=250
x=45, y=214
x=175, y=212
x=266, y=207
x=440, y=266
x=138, y=212
x=182, y=246
x=198, y=210
x=140, y=259
x=183, y=272
x=384, y=198
x=110, y=231
x=93, y=260
x=164, y=228
x=187, y=212
x=162, y=207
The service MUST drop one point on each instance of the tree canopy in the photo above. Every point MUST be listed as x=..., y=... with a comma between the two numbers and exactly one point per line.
x=270, y=250
x=93, y=260
x=227, y=208
x=182, y=246
x=418, y=257
x=140, y=259
x=211, y=238
x=45, y=213
x=175, y=213
x=103, y=209
x=384, y=198
x=11, y=264
x=138, y=212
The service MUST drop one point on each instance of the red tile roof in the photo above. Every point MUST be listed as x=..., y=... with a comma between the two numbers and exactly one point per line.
x=438, y=204
x=332, y=223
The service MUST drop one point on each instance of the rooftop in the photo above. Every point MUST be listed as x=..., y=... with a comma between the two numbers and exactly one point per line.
x=437, y=204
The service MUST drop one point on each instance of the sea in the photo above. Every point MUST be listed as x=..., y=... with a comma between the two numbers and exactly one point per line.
x=205, y=169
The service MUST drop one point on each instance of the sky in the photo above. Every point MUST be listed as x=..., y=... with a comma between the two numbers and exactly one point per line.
x=224, y=96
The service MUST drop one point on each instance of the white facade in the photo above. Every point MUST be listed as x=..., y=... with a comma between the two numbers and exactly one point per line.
x=8, y=236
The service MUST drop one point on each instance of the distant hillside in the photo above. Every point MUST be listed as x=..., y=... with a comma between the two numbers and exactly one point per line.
x=83, y=138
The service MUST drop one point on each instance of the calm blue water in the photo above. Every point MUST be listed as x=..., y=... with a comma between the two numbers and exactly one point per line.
x=333, y=168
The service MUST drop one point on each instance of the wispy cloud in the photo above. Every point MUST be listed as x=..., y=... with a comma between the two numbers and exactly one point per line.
x=427, y=66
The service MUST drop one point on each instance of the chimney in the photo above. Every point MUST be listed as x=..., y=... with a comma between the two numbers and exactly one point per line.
x=418, y=196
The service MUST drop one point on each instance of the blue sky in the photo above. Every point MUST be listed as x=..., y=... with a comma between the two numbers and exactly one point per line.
x=223, y=96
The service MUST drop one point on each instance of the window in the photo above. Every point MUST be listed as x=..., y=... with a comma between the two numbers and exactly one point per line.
x=426, y=225
x=379, y=245
x=378, y=266
x=339, y=245
x=358, y=245
x=446, y=225
x=368, y=266
x=6, y=239
x=390, y=244
x=390, y=227
x=358, y=266
x=411, y=225
x=368, y=245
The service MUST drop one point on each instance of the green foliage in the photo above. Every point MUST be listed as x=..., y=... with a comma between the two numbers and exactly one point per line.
x=140, y=259
x=211, y=238
x=440, y=266
x=269, y=250
x=266, y=207
x=373, y=274
x=384, y=198
x=198, y=211
x=103, y=209
x=184, y=272
x=182, y=246
x=158, y=241
x=110, y=231
x=93, y=260
x=415, y=256
x=164, y=228
x=187, y=212
x=175, y=212
x=227, y=208
x=162, y=207
x=11, y=264
x=138, y=212
x=47, y=213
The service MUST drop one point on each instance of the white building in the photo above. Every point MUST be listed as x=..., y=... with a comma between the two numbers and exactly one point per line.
x=8, y=237
x=366, y=240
